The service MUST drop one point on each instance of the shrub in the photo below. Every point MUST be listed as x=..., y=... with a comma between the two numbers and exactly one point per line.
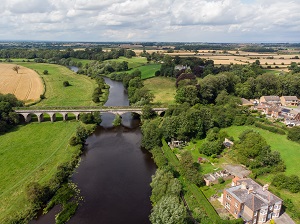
x=66, y=83
x=45, y=72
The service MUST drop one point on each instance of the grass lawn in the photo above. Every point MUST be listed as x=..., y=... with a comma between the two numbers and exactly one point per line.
x=163, y=89
x=289, y=150
x=83, y=61
x=31, y=153
x=148, y=71
x=133, y=62
x=78, y=94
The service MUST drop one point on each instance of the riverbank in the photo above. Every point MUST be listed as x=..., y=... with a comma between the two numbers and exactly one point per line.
x=34, y=154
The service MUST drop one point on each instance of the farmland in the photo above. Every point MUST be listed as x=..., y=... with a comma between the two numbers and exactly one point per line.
x=79, y=93
x=26, y=85
x=31, y=157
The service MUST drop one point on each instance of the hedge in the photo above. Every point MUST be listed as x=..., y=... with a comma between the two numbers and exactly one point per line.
x=270, y=128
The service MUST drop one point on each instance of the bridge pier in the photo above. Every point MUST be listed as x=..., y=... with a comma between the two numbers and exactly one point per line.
x=76, y=115
x=40, y=117
x=27, y=117
x=65, y=116
x=52, y=117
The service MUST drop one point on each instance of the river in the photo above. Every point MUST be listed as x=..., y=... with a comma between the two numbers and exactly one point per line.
x=114, y=173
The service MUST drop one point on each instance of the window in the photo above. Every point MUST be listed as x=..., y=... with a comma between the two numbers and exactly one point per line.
x=236, y=204
x=227, y=205
x=263, y=211
x=276, y=206
x=235, y=211
x=263, y=219
x=228, y=197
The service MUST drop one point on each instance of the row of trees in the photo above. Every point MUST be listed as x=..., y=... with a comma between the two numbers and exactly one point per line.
x=53, y=55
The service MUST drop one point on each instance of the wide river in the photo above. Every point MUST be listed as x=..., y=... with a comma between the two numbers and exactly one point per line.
x=114, y=173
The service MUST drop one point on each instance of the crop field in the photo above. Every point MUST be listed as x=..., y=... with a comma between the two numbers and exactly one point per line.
x=26, y=85
x=163, y=89
x=79, y=93
x=31, y=153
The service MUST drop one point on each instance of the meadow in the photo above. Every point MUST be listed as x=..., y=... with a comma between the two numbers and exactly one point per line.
x=163, y=89
x=31, y=153
x=79, y=93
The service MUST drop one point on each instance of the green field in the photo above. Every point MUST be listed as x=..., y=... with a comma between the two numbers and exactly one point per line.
x=133, y=62
x=163, y=89
x=289, y=151
x=78, y=94
x=83, y=61
x=31, y=153
x=148, y=71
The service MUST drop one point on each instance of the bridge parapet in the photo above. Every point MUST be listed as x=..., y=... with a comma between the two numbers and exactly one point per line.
x=39, y=112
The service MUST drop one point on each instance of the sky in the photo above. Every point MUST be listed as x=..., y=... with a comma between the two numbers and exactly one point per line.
x=151, y=20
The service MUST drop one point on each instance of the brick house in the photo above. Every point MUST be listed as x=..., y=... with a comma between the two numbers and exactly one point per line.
x=250, y=201
x=289, y=101
x=270, y=100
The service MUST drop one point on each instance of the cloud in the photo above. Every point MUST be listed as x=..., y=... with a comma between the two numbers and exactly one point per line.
x=151, y=20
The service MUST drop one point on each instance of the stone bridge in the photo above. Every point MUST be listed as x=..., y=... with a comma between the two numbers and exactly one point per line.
x=39, y=112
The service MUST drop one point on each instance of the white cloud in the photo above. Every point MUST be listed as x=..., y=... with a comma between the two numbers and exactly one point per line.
x=151, y=20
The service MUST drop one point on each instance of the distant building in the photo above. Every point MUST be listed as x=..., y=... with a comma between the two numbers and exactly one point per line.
x=289, y=101
x=270, y=99
x=250, y=201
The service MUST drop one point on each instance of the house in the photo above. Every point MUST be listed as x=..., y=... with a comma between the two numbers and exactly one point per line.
x=273, y=111
x=251, y=201
x=270, y=99
x=289, y=101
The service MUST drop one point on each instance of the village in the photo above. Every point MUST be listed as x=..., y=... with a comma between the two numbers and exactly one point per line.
x=285, y=108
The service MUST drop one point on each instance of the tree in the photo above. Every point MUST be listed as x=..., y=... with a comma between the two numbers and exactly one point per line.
x=163, y=183
x=168, y=210
x=117, y=121
x=187, y=94
x=151, y=134
x=294, y=134
x=147, y=112
x=16, y=68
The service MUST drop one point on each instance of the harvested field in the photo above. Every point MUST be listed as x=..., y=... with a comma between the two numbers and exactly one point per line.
x=25, y=85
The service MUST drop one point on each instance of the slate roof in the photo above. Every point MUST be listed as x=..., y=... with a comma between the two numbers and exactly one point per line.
x=272, y=98
x=257, y=198
x=290, y=98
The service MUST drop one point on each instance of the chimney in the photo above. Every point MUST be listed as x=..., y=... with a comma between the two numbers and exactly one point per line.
x=265, y=187
x=244, y=185
x=250, y=190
